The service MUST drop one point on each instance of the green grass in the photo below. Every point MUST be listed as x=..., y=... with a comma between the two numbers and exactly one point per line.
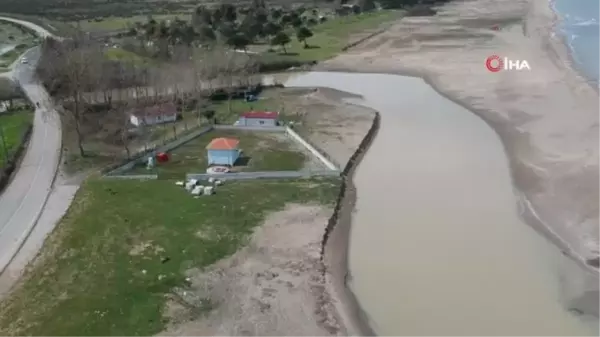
x=87, y=282
x=115, y=23
x=261, y=152
x=13, y=125
x=329, y=38
x=73, y=162
x=227, y=114
x=119, y=54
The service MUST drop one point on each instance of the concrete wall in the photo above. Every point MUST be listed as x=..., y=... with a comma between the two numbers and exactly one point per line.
x=151, y=120
x=310, y=148
x=264, y=175
x=251, y=128
x=257, y=121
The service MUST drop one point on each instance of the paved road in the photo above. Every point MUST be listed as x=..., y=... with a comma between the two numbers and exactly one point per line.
x=40, y=31
x=24, y=199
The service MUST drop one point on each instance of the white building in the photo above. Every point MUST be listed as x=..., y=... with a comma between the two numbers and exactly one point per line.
x=258, y=118
x=157, y=114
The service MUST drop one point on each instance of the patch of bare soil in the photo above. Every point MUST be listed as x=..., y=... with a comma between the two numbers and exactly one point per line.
x=274, y=286
x=327, y=121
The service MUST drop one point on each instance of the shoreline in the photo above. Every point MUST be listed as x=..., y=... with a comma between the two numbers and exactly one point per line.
x=539, y=24
x=336, y=242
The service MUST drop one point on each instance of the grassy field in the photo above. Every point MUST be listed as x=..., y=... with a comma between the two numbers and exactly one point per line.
x=261, y=152
x=124, y=245
x=115, y=23
x=13, y=125
x=13, y=34
x=99, y=155
x=119, y=54
x=329, y=38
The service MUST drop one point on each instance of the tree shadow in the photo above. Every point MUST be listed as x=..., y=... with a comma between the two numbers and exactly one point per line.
x=288, y=54
x=311, y=47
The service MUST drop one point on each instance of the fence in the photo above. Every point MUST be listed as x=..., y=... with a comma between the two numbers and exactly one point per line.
x=311, y=148
x=251, y=128
x=265, y=175
x=135, y=176
x=332, y=169
x=164, y=148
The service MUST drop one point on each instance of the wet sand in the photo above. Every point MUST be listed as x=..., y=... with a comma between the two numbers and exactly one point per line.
x=547, y=118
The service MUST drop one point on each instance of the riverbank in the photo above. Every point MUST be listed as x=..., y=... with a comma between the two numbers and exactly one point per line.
x=277, y=279
x=554, y=159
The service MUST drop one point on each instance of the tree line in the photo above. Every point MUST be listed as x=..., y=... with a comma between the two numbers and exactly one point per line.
x=95, y=93
x=226, y=24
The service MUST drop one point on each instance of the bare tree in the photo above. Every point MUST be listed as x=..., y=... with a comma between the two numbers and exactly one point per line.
x=121, y=111
x=71, y=67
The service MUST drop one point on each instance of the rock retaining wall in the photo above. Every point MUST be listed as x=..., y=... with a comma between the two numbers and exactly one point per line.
x=334, y=246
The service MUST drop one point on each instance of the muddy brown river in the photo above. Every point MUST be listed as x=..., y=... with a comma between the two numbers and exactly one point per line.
x=437, y=245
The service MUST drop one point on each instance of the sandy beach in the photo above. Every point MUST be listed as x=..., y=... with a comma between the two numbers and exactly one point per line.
x=547, y=118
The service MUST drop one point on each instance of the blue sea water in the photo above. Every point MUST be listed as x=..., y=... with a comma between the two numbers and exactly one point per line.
x=579, y=24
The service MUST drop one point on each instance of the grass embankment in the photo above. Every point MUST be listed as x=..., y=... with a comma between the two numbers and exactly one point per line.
x=123, y=245
x=13, y=126
x=261, y=152
x=329, y=38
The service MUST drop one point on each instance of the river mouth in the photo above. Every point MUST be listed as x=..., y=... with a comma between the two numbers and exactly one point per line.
x=437, y=245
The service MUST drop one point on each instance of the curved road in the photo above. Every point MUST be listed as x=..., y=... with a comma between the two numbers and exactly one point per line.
x=24, y=199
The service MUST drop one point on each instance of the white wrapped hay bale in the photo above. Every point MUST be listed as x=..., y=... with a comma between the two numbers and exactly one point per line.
x=197, y=190
x=211, y=180
x=209, y=190
x=189, y=186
